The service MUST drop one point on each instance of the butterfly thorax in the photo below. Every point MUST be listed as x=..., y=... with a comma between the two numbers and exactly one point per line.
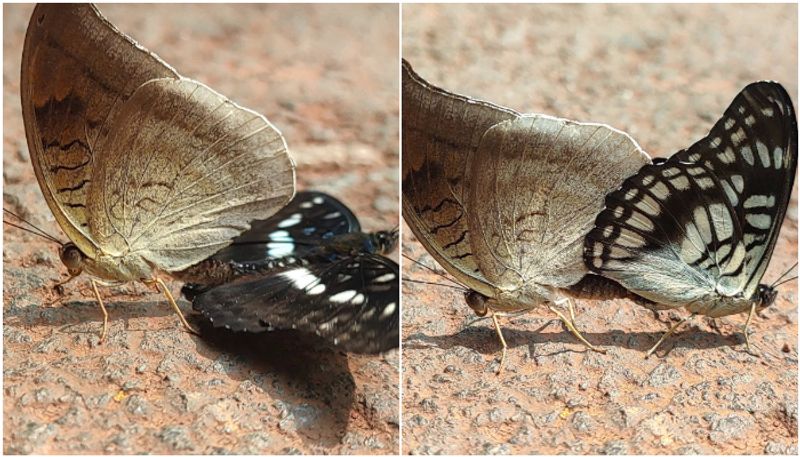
x=353, y=243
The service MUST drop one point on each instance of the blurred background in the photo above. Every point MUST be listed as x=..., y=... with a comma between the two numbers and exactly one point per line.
x=327, y=77
x=664, y=74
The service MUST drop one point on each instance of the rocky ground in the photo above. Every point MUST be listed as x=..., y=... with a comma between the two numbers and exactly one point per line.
x=327, y=77
x=663, y=73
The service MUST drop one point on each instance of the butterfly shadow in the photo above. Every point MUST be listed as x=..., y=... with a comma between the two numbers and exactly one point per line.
x=295, y=368
x=483, y=339
x=84, y=315
x=312, y=382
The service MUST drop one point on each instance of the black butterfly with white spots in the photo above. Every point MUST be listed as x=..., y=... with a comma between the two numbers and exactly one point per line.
x=310, y=268
x=697, y=230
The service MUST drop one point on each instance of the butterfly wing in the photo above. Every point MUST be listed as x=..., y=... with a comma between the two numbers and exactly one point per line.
x=183, y=171
x=704, y=222
x=296, y=229
x=352, y=302
x=77, y=69
x=439, y=130
x=536, y=185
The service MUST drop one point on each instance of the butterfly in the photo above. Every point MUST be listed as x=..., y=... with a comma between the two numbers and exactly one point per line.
x=145, y=171
x=697, y=230
x=311, y=268
x=503, y=200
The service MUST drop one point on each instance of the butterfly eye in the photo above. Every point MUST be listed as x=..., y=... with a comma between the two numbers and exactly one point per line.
x=72, y=258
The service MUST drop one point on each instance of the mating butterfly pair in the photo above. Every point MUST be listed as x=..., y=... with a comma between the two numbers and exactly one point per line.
x=310, y=268
x=522, y=208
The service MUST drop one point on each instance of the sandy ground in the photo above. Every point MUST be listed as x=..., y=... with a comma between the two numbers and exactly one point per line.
x=664, y=74
x=327, y=77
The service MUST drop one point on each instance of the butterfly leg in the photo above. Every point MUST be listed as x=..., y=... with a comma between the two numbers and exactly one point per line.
x=174, y=305
x=666, y=334
x=746, y=325
x=502, y=341
x=575, y=331
x=104, y=332
x=569, y=306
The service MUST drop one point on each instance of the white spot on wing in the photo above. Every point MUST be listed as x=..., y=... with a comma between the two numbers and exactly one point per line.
x=316, y=290
x=737, y=136
x=702, y=224
x=660, y=190
x=343, y=297
x=294, y=219
x=756, y=201
x=279, y=235
x=278, y=250
x=730, y=193
x=738, y=183
x=778, y=156
x=317, y=200
x=385, y=277
x=705, y=183
x=728, y=156
x=332, y=215
x=759, y=221
x=389, y=310
x=769, y=112
x=729, y=123
x=300, y=278
x=763, y=154
x=680, y=183
x=747, y=154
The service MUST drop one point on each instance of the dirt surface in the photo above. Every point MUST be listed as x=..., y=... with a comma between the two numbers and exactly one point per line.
x=327, y=77
x=663, y=73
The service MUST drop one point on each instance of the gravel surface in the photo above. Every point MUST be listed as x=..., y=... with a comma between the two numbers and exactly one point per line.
x=327, y=77
x=664, y=74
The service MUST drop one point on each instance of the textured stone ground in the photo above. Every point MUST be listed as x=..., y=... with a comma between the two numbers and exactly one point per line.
x=327, y=77
x=664, y=74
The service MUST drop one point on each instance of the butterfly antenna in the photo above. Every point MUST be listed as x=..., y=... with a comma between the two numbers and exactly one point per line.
x=33, y=228
x=434, y=271
x=778, y=281
x=418, y=281
x=784, y=281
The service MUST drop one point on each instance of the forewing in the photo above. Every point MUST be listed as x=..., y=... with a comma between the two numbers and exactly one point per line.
x=352, y=302
x=706, y=220
x=537, y=184
x=77, y=69
x=439, y=131
x=182, y=172
x=309, y=219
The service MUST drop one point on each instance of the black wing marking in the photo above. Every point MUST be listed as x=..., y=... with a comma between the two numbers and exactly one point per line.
x=352, y=302
x=310, y=218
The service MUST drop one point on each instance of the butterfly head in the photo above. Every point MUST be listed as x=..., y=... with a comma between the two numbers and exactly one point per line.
x=478, y=302
x=765, y=296
x=385, y=241
x=72, y=258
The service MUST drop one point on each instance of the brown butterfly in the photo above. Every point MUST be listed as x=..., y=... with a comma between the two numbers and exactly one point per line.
x=503, y=200
x=147, y=172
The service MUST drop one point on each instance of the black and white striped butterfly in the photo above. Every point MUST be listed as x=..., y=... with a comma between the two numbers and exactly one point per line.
x=697, y=230
x=309, y=268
